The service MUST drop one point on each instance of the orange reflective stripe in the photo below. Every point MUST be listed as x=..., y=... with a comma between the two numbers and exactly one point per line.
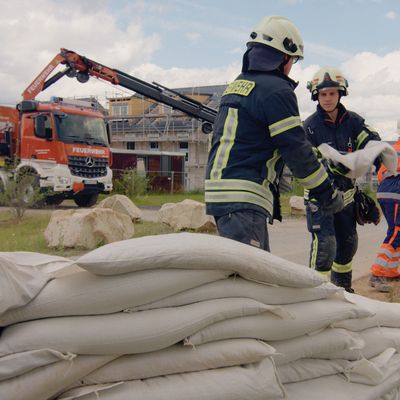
x=377, y=270
x=386, y=262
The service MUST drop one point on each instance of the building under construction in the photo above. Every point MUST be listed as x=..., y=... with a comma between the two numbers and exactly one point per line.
x=142, y=125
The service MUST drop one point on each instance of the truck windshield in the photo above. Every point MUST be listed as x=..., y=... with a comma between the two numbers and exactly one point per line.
x=81, y=129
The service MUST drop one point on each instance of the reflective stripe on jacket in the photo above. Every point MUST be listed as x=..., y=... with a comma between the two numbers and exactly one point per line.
x=257, y=130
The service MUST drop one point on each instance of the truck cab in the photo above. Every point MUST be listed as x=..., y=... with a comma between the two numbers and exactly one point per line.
x=65, y=144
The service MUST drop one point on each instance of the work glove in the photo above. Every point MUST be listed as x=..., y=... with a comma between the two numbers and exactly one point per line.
x=338, y=168
x=335, y=205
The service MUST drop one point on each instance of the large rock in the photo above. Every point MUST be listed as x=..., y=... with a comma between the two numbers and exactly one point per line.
x=297, y=206
x=87, y=228
x=186, y=215
x=121, y=204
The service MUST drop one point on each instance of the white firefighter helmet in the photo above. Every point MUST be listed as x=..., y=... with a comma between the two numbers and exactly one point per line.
x=325, y=78
x=280, y=33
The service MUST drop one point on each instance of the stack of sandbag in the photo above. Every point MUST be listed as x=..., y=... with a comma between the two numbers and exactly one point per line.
x=194, y=316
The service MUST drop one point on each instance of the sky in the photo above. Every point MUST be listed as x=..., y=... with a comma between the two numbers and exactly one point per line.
x=180, y=43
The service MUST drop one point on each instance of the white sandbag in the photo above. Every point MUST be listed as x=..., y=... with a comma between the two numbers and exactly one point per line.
x=375, y=340
x=18, y=283
x=254, y=381
x=335, y=387
x=368, y=372
x=179, y=359
x=84, y=293
x=307, y=317
x=19, y=363
x=198, y=251
x=238, y=287
x=394, y=394
x=361, y=161
x=45, y=382
x=124, y=333
x=376, y=370
x=47, y=263
x=310, y=368
x=385, y=314
x=326, y=344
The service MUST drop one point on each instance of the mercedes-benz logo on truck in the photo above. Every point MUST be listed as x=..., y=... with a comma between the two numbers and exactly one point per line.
x=89, y=161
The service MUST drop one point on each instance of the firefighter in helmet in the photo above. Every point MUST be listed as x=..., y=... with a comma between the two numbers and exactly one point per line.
x=257, y=130
x=334, y=236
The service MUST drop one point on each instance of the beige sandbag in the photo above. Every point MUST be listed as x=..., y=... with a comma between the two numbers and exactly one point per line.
x=124, y=333
x=376, y=370
x=198, y=251
x=255, y=381
x=84, y=293
x=179, y=359
x=335, y=387
x=238, y=287
x=307, y=317
x=368, y=372
x=19, y=284
x=375, y=340
x=310, y=368
x=46, y=263
x=45, y=382
x=19, y=363
x=330, y=343
x=393, y=394
x=385, y=314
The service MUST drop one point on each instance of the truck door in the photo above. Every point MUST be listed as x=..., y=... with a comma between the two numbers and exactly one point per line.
x=37, y=138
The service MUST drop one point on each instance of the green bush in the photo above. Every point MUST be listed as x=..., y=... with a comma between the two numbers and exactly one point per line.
x=131, y=184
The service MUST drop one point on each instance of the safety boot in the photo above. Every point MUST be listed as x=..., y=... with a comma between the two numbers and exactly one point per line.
x=380, y=283
x=342, y=280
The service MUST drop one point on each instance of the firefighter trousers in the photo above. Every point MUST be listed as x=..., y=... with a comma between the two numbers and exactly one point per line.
x=334, y=242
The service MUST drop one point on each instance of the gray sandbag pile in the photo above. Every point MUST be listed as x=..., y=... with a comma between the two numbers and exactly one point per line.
x=189, y=316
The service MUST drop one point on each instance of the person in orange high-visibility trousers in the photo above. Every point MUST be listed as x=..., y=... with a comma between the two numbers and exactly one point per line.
x=386, y=266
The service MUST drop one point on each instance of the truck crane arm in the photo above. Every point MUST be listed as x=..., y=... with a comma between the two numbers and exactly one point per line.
x=82, y=68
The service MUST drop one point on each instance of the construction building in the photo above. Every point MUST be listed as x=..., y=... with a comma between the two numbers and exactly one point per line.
x=142, y=125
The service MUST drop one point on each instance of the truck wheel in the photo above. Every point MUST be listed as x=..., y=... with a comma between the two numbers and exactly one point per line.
x=86, y=200
x=54, y=200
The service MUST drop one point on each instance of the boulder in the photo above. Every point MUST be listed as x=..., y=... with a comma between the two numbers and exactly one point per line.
x=121, y=204
x=87, y=228
x=186, y=215
x=297, y=206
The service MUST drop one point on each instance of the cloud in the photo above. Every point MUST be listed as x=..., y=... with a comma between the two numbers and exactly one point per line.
x=324, y=52
x=184, y=77
x=30, y=39
x=391, y=15
x=194, y=37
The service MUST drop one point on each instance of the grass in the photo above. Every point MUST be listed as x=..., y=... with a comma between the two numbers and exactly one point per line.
x=28, y=234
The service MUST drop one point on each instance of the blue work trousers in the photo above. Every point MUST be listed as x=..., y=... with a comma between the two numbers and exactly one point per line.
x=247, y=226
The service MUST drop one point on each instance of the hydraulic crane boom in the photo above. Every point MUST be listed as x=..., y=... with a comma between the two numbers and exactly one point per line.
x=82, y=68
